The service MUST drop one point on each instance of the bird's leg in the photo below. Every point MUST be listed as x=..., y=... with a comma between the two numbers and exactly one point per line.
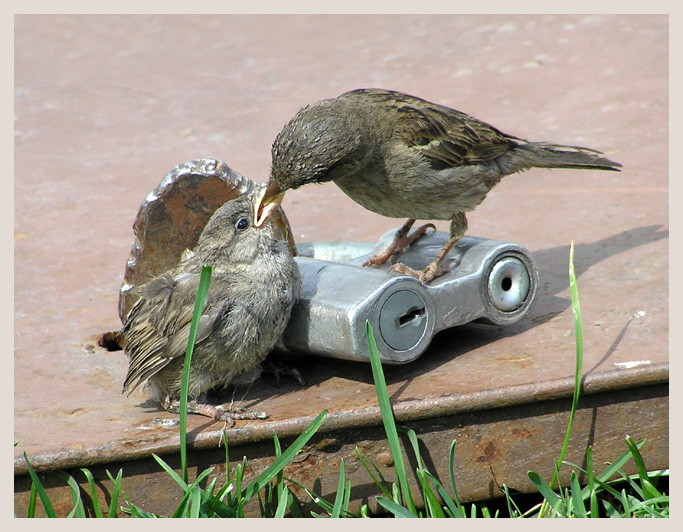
x=278, y=368
x=400, y=242
x=217, y=412
x=436, y=269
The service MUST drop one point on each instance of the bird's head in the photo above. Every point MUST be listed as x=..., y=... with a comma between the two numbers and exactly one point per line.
x=232, y=234
x=320, y=143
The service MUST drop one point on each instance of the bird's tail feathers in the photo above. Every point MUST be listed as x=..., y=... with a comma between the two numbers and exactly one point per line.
x=544, y=155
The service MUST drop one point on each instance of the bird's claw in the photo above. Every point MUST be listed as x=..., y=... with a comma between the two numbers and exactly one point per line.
x=431, y=272
x=231, y=414
x=216, y=412
x=277, y=368
x=397, y=246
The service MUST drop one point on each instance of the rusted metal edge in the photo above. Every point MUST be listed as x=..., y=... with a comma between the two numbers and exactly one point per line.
x=413, y=409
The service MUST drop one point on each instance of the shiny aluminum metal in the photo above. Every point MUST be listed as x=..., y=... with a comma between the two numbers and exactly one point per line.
x=489, y=281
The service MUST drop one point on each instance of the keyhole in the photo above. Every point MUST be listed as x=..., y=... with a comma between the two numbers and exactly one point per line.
x=414, y=315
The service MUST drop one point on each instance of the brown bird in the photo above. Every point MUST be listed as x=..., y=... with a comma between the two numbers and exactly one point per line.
x=254, y=284
x=404, y=157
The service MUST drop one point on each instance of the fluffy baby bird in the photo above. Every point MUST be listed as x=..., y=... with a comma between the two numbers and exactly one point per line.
x=254, y=284
x=404, y=157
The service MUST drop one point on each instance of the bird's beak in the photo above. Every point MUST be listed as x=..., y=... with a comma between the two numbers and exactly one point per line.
x=268, y=203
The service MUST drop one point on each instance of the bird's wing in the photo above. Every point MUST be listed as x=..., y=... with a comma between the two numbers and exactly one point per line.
x=446, y=137
x=157, y=328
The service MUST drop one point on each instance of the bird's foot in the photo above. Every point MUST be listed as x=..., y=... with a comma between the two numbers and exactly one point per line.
x=398, y=245
x=434, y=270
x=220, y=413
x=277, y=368
x=216, y=412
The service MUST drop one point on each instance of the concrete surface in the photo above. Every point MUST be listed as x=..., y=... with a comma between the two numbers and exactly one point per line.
x=105, y=106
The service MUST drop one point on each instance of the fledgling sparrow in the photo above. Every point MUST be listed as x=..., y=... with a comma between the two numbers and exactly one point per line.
x=254, y=285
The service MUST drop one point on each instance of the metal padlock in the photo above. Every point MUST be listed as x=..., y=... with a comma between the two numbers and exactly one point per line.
x=489, y=281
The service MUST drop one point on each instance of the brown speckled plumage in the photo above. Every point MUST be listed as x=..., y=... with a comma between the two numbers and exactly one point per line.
x=404, y=157
x=254, y=284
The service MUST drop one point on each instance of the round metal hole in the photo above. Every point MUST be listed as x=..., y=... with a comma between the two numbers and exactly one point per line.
x=508, y=284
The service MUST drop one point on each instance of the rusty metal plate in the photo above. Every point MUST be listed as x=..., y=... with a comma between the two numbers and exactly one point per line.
x=492, y=449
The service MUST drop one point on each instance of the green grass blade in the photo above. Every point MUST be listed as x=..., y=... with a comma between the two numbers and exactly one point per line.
x=239, y=496
x=625, y=504
x=294, y=510
x=114, y=502
x=547, y=492
x=195, y=503
x=285, y=457
x=283, y=503
x=218, y=496
x=649, y=491
x=188, y=491
x=280, y=485
x=208, y=498
x=513, y=509
x=578, y=507
x=339, y=498
x=388, y=419
x=182, y=483
x=33, y=500
x=394, y=508
x=610, y=510
x=182, y=507
x=451, y=475
x=47, y=505
x=432, y=504
x=325, y=505
x=200, y=299
x=593, y=498
x=433, y=507
x=376, y=476
x=97, y=509
x=412, y=438
x=317, y=499
x=662, y=499
x=132, y=509
x=453, y=506
x=201, y=477
x=578, y=371
x=631, y=481
x=602, y=478
x=216, y=501
x=78, y=509
x=227, y=457
x=136, y=511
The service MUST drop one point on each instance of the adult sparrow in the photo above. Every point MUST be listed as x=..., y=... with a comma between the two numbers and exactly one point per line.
x=404, y=157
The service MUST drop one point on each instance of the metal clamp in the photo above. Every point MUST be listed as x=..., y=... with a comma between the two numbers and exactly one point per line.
x=489, y=281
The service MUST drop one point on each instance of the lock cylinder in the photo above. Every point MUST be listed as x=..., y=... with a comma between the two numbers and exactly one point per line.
x=510, y=287
x=404, y=321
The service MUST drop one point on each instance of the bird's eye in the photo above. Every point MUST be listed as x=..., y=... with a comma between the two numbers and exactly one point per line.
x=242, y=224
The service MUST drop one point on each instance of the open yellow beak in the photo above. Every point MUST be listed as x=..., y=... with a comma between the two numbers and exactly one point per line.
x=268, y=203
